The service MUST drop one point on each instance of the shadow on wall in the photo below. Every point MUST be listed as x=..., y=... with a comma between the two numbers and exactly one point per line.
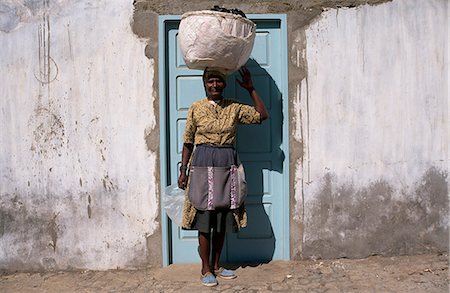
x=259, y=149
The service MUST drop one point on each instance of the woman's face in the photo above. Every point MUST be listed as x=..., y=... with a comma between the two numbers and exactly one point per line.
x=214, y=87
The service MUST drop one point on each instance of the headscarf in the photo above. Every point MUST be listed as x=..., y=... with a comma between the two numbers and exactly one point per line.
x=211, y=72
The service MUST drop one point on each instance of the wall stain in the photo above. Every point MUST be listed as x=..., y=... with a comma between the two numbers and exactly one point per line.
x=102, y=148
x=49, y=130
x=89, y=209
x=28, y=230
x=5, y=219
x=48, y=133
x=49, y=263
x=52, y=229
x=153, y=245
x=356, y=223
x=108, y=185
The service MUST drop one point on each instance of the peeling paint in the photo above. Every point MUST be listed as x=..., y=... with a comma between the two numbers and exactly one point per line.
x=308, y=9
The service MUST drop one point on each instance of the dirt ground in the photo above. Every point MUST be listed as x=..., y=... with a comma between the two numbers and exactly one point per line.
x=420, y=273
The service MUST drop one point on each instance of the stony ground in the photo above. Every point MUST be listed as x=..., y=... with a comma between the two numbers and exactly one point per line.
x=421, y=273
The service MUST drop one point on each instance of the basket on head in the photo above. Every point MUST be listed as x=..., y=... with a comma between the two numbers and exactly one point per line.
x=216, y=39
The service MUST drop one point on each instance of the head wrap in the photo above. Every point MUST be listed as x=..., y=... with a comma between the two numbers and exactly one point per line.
x=211, y=72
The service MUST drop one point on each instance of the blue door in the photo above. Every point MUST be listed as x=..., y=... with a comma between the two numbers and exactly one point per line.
x=262, y=148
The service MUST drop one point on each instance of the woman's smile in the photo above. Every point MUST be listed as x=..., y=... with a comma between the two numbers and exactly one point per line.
x=215, y=87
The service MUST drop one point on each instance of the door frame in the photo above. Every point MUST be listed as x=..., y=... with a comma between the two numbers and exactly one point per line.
x=163, y=22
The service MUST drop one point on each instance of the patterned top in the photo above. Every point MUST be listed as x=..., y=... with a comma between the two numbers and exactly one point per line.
x=216, y=123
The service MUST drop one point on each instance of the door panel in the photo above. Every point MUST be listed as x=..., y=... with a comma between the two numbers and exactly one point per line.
x=259, y=147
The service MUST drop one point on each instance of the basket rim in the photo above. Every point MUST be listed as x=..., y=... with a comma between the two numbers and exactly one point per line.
x=217, y=13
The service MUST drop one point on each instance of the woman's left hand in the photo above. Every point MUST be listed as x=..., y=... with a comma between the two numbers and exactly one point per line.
x=246, y=82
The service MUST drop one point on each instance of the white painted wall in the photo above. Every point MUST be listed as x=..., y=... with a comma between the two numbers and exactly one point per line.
x=77, y=182
x=374, y=105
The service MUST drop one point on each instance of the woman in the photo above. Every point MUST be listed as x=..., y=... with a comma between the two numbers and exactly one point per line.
x=211, y=126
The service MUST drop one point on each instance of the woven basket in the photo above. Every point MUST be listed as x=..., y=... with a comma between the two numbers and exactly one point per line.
x=218, y=40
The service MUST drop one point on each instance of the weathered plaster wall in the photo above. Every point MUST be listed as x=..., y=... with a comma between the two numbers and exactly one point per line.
x=79, y=139
x=371, y=116
x=78, y=183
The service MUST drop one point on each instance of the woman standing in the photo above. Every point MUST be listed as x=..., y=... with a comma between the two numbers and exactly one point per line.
x=211, y=127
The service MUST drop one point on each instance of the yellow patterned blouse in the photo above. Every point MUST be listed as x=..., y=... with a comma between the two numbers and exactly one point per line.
x=216, y=123
x=212, y=123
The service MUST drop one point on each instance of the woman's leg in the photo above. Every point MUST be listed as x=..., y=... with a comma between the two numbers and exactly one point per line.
x=203, y=242
x=217, y=245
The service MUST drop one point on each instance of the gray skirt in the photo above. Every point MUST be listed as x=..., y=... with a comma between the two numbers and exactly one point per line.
x=214, y=156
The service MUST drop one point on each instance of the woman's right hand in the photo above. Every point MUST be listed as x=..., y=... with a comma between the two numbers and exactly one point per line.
x=182, y=180
x=186, y=155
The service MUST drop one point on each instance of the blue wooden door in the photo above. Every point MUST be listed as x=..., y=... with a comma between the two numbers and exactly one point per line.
x=262, y=148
